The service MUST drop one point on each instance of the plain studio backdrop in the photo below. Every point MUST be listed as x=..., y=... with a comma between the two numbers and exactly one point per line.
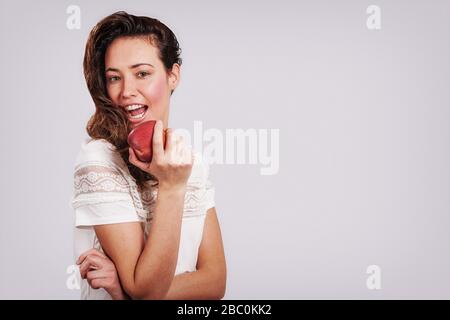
x=363, y=118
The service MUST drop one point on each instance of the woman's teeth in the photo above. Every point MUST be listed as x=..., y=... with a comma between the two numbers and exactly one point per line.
x=134, y=107
x=137, y=116
x=136, y=111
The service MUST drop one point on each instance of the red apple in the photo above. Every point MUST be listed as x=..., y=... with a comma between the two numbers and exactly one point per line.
x=140, y=139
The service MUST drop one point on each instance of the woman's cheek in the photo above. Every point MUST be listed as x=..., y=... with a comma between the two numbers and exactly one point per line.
x=113, y=94
x=157, y=90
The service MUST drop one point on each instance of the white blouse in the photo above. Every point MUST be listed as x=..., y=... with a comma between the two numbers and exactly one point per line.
x=105, y=193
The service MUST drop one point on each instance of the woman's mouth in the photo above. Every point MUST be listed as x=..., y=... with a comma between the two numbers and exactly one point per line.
x=136, y=112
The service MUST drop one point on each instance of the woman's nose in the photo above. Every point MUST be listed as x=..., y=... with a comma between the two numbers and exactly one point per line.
x=128, y=89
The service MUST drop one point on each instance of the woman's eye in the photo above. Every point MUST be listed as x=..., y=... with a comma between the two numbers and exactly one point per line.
x=113, y=79
x=142, y=74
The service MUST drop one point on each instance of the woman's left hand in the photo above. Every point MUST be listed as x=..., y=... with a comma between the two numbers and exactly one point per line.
x=100, y=272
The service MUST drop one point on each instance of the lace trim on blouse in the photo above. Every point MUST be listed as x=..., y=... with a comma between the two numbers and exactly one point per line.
x=97, y=179
x=98, y=183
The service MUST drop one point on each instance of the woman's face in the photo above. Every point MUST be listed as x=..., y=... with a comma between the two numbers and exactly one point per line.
x=137, y=80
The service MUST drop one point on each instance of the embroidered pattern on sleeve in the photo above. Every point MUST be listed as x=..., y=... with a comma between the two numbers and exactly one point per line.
x=97, y=178
x=99, y=183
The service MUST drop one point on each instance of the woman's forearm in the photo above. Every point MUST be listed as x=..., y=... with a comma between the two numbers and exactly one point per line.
x=157, y=263
x=196, y=285
x=200, y=285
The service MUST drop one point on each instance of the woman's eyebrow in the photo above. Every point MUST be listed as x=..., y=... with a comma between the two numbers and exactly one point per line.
x=131, y=67
x=140, y=64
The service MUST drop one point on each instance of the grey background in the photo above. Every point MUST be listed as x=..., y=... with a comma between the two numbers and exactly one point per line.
x=364, y=141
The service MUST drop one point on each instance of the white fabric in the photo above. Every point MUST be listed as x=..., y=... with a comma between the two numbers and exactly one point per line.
x=105, y=193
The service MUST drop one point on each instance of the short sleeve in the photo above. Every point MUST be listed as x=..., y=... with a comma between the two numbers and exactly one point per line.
x=101, y=196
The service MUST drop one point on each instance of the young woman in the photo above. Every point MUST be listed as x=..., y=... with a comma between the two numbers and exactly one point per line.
x=143, y=230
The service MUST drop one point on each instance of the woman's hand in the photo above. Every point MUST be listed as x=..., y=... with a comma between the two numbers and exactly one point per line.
x=101, y=272
x=172, y=166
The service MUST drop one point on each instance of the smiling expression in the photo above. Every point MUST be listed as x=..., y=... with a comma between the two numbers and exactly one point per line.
x=137, y=80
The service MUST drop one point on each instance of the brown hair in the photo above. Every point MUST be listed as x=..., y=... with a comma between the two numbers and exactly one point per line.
x=110, y=122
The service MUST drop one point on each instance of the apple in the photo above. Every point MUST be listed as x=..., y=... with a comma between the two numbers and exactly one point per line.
x=140, y=139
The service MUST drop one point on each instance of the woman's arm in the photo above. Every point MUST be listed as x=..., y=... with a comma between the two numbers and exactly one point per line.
x=146, y=268
x=209, y=281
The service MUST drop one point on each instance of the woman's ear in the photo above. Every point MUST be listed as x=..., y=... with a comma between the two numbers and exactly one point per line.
x=174, y=76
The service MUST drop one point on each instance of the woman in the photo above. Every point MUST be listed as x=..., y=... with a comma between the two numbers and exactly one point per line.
x=143, y=230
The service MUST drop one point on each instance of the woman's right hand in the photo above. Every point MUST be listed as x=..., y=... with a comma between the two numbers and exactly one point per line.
x=171, y=166
x=100, y=272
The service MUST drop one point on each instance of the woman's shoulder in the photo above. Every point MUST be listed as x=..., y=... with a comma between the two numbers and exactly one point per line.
x=97, y=151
